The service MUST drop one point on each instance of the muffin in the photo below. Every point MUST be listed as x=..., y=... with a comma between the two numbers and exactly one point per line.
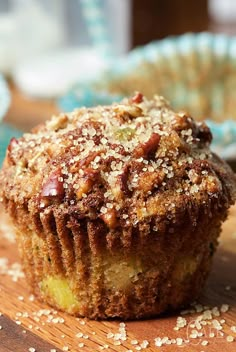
x=117, y=209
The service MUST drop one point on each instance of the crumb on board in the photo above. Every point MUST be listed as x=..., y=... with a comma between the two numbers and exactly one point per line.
x=13, y=270
x=230, y=338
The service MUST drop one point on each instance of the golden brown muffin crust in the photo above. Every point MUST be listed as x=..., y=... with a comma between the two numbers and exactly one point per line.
x=122, y=163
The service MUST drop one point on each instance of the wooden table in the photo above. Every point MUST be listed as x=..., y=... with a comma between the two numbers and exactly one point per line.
x=25, y=113
x=26, y=323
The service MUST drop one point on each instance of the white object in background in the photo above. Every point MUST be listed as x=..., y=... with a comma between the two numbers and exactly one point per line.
x=4, y=97
x=7, y=28
x=119, y=21
x=53, y=74
x=108, y=25
x=222, y=10
x=27, y=29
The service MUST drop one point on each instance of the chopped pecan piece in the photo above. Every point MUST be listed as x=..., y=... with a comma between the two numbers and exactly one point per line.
x=13, y=143
x=148, y=180
x=87, y=160
x=171, y=144
x=9, y=158
x=85, y=186
x=124, y=180
x=127, y=112
x=182, y=121
x=86, y=182
x=110, y=218
x=53, y=187
x=204, y=133
x=57, y=123
x=194, y=177
x=147, y=148
x=137, y=98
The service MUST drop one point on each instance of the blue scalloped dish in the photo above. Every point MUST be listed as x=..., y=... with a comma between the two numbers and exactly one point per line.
x=195, y=72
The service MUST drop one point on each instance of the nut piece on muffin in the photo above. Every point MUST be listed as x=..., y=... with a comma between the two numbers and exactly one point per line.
x=117, y=209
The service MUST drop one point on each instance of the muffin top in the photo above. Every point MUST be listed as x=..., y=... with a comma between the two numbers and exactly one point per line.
x=123, y=163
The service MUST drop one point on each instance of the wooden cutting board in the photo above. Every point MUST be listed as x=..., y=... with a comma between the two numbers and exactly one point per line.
x=28, y=325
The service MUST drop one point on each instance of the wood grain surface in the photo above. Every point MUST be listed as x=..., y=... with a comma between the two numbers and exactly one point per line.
x=25, y=112
x=27, y=324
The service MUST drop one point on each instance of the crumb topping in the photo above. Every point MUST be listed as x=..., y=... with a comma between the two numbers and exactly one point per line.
x=125, y=161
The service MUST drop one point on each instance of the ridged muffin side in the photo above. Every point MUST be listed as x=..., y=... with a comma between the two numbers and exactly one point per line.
x=117, y=208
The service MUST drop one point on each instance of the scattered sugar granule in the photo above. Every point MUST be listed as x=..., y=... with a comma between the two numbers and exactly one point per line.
x=65, y=348
x=144, y=344
x=233, y=328
x=81, y=344
x=14, y=270
x=180, y=323
x=207, y=315
x=158, y=342
x=229, y=338
x=117, y=343
x=134, y=342
x=204, y=343
x=80, y=334
x=224, y=308
x=31, y=298
x=198, y=325
x=194, y=334
x=216, y=324
x=110, y=335
x=32, y=349
x=179, y=341
x=215, y=312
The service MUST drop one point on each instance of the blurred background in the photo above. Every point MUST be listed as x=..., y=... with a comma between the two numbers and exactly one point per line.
x=48, y=46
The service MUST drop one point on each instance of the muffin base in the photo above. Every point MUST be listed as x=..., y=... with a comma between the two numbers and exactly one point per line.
x=85, y=271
